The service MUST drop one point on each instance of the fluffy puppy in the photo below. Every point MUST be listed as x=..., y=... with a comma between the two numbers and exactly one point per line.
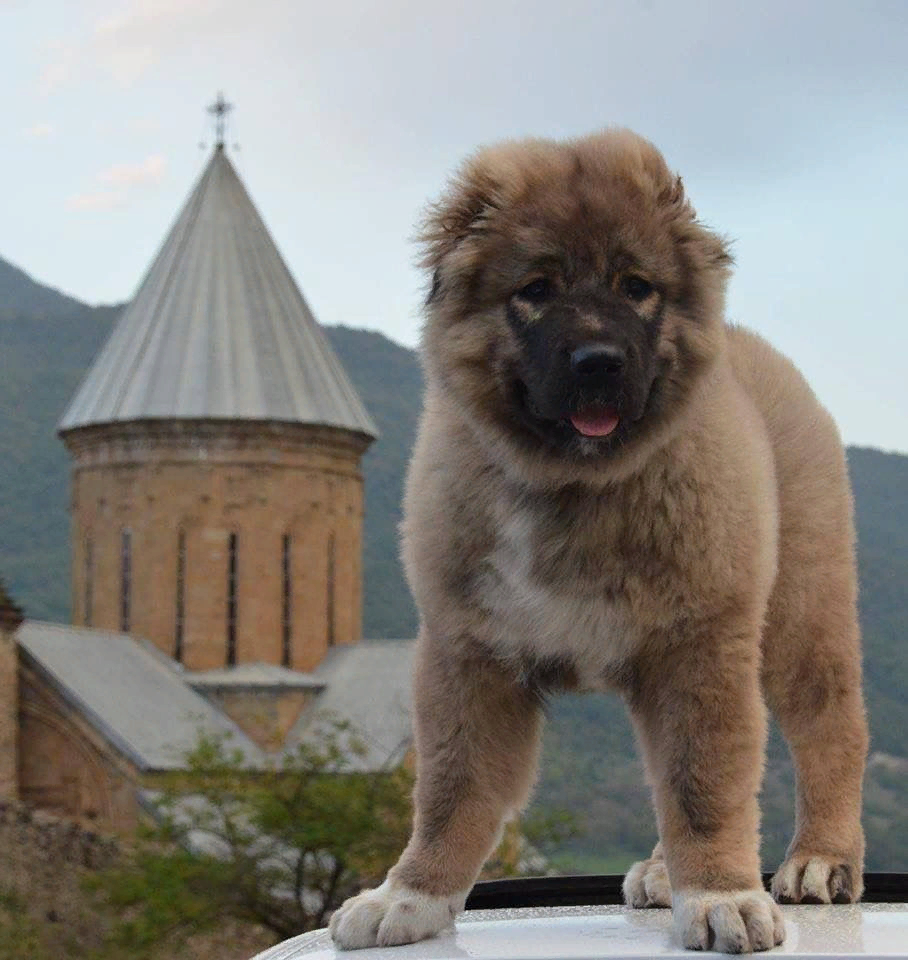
x=612, y=488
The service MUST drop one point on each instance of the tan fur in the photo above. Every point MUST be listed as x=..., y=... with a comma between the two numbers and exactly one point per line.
x=700, y=566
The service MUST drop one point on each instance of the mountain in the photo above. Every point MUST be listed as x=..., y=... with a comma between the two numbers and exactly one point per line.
x=20, y=294
x=46, y=342
x=388, y=378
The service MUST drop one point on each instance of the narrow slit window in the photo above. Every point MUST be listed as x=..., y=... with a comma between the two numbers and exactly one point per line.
x=286, y=595
x=231, y=599
x=89, y=585
x=180, y=612
x=125, y=581
x=331, y=598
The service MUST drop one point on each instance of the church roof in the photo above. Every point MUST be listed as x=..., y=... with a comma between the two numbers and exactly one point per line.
x=253, y=676
x=144, y=704
x=368, y=685
x=133, y=695
x=218, y=329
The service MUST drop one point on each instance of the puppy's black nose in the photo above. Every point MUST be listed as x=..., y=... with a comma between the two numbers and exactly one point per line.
x=598, y=360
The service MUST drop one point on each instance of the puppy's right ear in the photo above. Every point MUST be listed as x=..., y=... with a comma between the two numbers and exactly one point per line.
x=460, y=212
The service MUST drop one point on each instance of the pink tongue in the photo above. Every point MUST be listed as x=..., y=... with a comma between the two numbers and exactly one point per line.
x=595, y=423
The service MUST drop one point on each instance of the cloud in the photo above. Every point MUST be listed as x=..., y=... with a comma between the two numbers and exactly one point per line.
x=119, y=181
x=39, y=131
x=58, y=71
x=99, y=200
x=149, y=171
x=130, y=41
x=138, y=35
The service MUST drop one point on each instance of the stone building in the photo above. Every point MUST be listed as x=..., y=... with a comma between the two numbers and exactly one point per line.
x=217, y=508
x=217, y=499
x=104, y=717
x=10, y=619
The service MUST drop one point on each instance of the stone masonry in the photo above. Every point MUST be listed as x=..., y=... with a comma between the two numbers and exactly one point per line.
x=65, y=766
x=10, y=618
x=156, y=507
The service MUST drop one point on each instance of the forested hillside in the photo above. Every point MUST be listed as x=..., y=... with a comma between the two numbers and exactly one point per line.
x=46, y=343
x=388, y=379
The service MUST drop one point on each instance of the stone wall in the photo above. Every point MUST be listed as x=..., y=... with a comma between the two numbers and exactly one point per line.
x=65, y=766
x=200, y=484
x=9, y=716
x=46, y=911
x=10, y=618
x=53, y=840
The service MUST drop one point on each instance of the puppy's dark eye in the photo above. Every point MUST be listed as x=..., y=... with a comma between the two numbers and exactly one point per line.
x=636, y=288
x=537, y=291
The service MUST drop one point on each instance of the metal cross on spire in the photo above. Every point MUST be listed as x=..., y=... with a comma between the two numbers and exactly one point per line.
x=219, y=110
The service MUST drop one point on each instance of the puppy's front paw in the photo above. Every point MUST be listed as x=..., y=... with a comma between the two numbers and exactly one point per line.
x=390, y=915
x=805, y=878
x=646, y=884
x=737, y=922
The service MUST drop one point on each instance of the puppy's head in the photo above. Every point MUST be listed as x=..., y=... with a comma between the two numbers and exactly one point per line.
x=576, y=301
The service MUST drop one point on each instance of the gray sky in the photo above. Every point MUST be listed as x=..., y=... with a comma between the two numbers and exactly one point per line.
x=788, y=121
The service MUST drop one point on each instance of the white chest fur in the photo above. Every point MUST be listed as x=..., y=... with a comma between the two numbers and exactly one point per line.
x=551, y=619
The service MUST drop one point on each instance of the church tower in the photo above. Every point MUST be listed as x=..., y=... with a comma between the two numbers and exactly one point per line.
x=217, y=499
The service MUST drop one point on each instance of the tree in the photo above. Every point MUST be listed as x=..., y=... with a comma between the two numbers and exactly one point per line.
x=280, y=847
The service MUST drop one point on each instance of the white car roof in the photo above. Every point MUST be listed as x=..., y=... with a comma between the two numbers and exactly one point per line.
x=614, y=933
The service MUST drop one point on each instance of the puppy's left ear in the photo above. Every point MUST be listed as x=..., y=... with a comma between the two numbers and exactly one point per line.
x=714, y=249
x=718, y=251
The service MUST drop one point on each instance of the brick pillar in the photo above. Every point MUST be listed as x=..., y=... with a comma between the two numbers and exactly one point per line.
x=10, y=618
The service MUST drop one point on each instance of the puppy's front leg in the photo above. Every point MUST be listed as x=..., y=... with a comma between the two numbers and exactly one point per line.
x=477, y=741
x=702, y=726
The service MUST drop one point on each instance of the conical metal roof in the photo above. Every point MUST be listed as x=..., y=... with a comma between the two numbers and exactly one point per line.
x=218, y=329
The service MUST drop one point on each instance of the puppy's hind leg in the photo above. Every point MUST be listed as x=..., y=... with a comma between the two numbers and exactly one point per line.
x=646, y=882
x=477, y=742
